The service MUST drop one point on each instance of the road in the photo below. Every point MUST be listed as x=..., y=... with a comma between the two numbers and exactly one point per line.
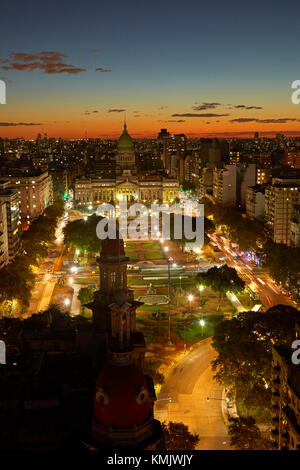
x=45, y=278
x=269, y=292
x=189, y=385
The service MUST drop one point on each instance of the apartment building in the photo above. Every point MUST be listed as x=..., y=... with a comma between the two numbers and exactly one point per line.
x=295, y=226
x=13, y=219
x=246, y=176
x=285, y=398
x=255, y=202
x=224, y=185
x=35, y=192
x=4, y=256
x=280, y=198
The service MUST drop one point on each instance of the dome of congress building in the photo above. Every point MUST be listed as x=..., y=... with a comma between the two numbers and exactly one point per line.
x=125, y=141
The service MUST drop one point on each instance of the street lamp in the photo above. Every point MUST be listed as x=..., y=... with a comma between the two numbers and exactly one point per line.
x=202, y=323
x=67, y=302
x=190, y=299
x=169, y=292
x=220, y=399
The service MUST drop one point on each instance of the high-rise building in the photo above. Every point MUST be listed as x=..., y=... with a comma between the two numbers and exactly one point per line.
x=246, y=176
x=280, y=198
x=255, y=202
x=263, y=175
x=11, y=199
x=4, y=256
x=172, y=148
x=35, y=192
x=224, y=185
x=295, y=226
x=292, y=159
x=285, y=398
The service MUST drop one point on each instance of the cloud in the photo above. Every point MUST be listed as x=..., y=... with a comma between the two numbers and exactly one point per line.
x=13, y=124
x=243, y=106
x=86, y=113
x=264, y=121
x=48, y=62
x=176, y=120
x=205, y=105
x=116, y=110
x=100, y=69
x=207, y=115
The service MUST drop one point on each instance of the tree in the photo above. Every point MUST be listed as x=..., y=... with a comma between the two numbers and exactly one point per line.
x=82, y=234
x=178, y=437
x=151, y=368
x=244, y=346
x=86, y=295
x=241, y=230
x=245, y=434
x=221, y=279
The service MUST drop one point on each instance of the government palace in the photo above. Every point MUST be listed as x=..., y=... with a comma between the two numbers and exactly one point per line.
x=129, y=183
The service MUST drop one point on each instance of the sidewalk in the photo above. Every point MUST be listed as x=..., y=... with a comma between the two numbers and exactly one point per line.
x=76, y=304
x=228, y=412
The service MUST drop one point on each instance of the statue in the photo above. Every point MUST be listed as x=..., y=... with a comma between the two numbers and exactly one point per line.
x=151, y=289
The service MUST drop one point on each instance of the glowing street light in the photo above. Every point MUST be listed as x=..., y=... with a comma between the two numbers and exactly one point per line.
x=67, y=302
x=190, y=299
x=202, y=323
x=71, y=280
x=201, y=288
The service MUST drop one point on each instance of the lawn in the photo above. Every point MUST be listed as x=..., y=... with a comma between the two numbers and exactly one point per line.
x=153, y=250
x=133, y=256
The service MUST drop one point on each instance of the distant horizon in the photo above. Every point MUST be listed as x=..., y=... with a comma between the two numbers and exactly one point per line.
x=114, y=137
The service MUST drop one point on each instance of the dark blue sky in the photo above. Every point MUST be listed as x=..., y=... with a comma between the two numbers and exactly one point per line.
x=166, y=53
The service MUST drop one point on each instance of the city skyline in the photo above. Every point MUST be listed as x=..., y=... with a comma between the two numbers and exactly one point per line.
x=202, y=70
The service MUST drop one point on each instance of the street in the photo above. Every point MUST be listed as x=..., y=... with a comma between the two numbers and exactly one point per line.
x=189, y=385
x=269, y=292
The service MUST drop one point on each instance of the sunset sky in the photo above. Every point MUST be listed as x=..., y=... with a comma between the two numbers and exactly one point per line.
x=195, y=67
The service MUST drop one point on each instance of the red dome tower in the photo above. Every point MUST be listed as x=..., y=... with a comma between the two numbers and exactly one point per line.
x=123, y=406
x=124, y=396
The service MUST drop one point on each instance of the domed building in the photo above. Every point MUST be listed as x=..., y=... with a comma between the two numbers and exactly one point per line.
x=125, y=157
x=125, y=142
x=130, y=183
